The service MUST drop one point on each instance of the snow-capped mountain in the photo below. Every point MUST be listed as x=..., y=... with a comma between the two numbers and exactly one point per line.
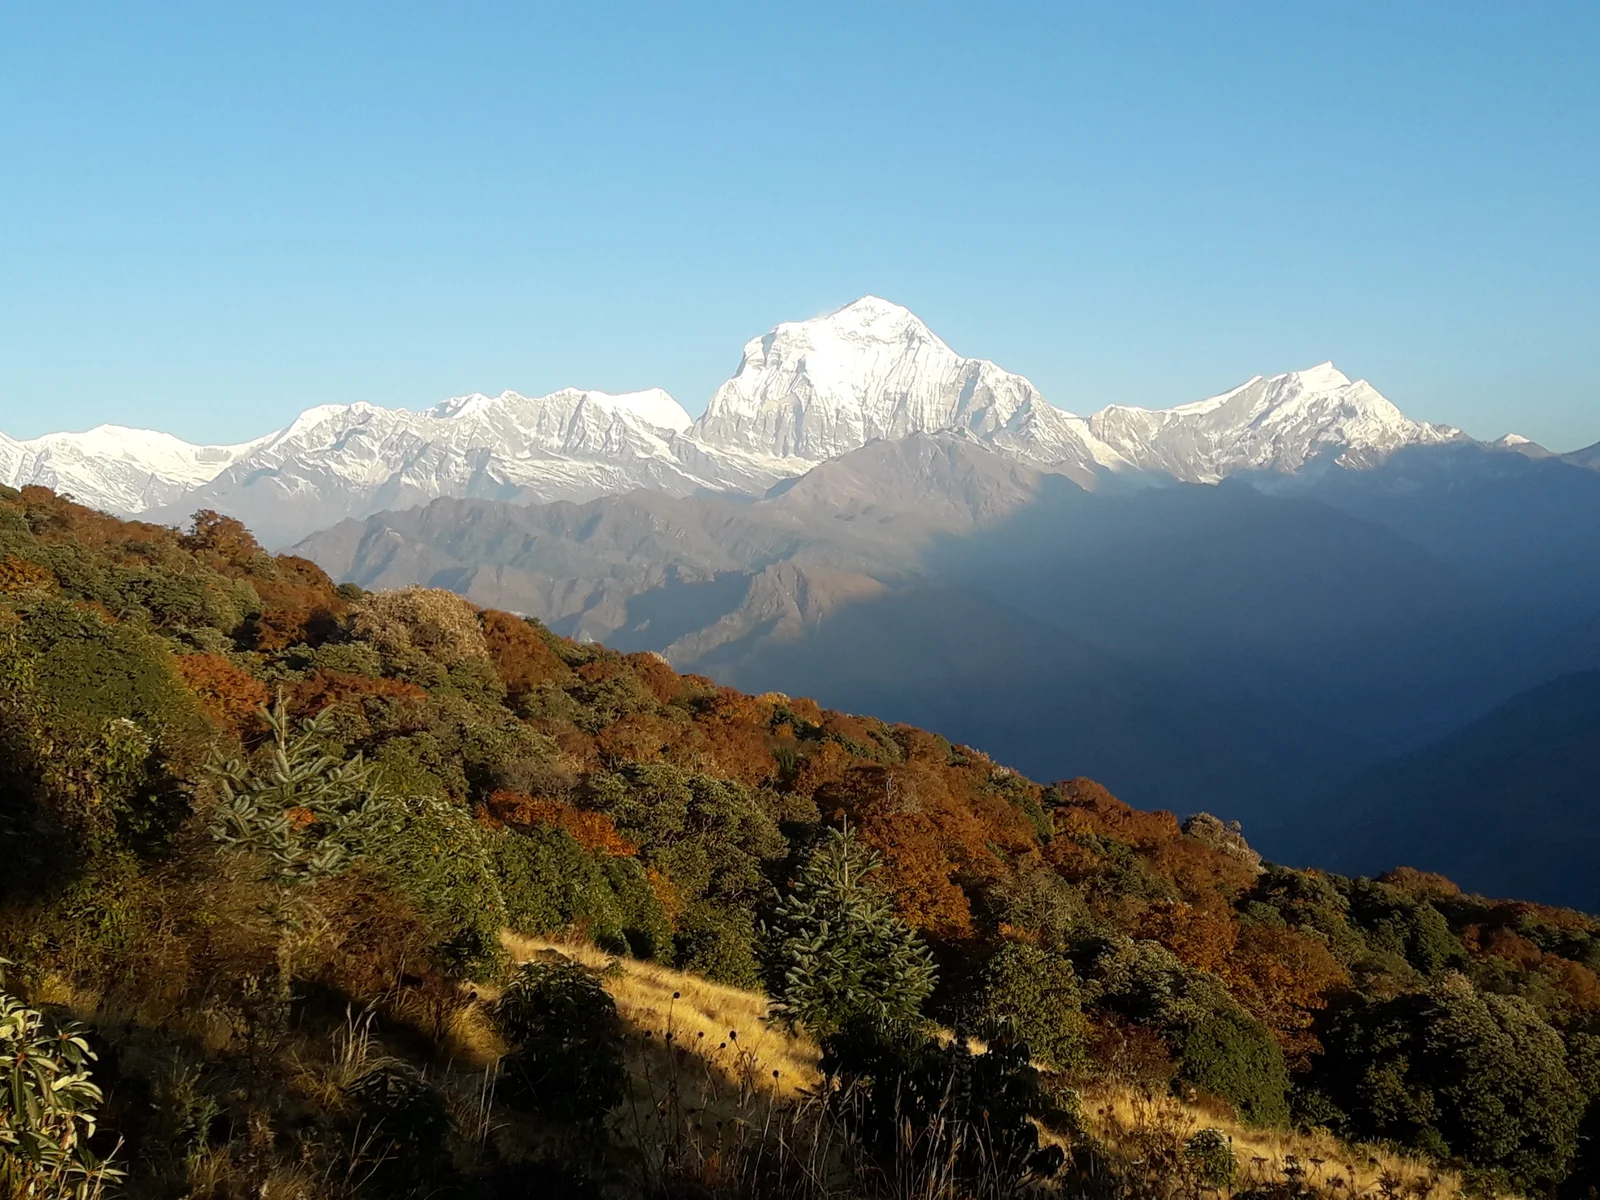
x=804, y=393
x=338, y=461
x=1277, y=424
x=812, y=390
x=124, y=470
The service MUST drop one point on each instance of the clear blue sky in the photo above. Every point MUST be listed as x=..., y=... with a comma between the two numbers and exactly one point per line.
x=213, y=216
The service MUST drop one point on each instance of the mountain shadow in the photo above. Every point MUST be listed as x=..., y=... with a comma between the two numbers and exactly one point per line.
x=1526, y=530
x=1509, y=805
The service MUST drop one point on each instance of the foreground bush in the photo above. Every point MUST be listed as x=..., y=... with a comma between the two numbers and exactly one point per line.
x=936, y=1118
x=566, y=1039
x=1031, y=995
x=47, y=1109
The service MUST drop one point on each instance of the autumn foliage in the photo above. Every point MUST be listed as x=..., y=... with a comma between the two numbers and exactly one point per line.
x=230, y=695
x=591, y=830
x=583, y=790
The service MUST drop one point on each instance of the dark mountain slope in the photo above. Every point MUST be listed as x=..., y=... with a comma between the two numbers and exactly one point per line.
x=1508, y=805
x=1526, y=530
x=1343, y=626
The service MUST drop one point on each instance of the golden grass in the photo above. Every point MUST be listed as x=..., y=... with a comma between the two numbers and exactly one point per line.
x=725, y=1026
x=1119, y=1116
x=701, y=1016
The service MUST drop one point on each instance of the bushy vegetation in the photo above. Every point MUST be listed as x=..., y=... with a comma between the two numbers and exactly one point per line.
x=244, y=811
x=48, y=1113
x=566, y=1042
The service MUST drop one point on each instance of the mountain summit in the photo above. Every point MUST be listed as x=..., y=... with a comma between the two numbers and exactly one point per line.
x=1278, y=423
x=813, y=390
x=804, y=393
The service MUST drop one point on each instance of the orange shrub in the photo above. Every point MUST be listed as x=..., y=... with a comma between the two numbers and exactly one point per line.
x=591, y=830
x=298, y=604
x=212, y=533
x=18, y=575
x=1284, y=977
x=229, y=695
x=336, y=687
x=658, y=677
x=520, y=656
x=1202, y=936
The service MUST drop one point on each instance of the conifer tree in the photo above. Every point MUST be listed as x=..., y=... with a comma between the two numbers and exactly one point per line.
x=836, y=951
x=304, y=816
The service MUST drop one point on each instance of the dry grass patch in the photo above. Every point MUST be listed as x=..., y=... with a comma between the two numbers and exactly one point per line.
x=725, y=1026
x=1134, y=1126
x=724, y=1032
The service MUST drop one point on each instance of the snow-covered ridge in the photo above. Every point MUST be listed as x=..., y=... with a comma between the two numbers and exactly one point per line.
x=128, y=471
x=803, y=393
x=1278, y=423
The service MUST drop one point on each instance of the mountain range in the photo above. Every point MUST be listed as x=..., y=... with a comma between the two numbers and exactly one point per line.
x=1244, y=604
x=804, y=393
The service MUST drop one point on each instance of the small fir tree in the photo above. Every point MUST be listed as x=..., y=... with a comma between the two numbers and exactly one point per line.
x=836, y=951
x=304, y=816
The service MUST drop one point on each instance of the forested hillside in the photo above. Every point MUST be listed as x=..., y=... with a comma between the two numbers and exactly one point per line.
x=266, y=838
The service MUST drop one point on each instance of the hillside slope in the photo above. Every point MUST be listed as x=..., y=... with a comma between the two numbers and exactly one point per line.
x=265, y=835
x=1511, y=802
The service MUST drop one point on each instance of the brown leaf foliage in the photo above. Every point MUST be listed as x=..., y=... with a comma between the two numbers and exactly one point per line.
x=520, y=656
x=1284, y=977
x=18, y=576
x=230, y=695
x=591, y=830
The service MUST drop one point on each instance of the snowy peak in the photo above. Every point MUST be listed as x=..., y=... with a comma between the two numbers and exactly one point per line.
x=1276, y=423
x=110, y=466
x=160, y=453
x=808, y=391
x=653, y=407
x=805, y=393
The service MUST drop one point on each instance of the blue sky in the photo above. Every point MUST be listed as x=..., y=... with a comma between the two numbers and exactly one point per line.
x=213, y=216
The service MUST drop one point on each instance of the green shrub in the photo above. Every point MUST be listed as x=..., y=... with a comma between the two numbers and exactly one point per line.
x=546, y=879
x=47, y=1109
x=1209, y=1154
x=419, y=764
x=350, y=658
x=509, y=756
x=1233, y=1056
x=1146, y=983
x=711, y=837
x=550, y=884
x=1480, y=1077
x=566, y=1038
x=86, y=668
x=434, y=854
x=1037, y=900
x=1031, y=995
x=1401, y=924
x=642, y=928
x=719, y=944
